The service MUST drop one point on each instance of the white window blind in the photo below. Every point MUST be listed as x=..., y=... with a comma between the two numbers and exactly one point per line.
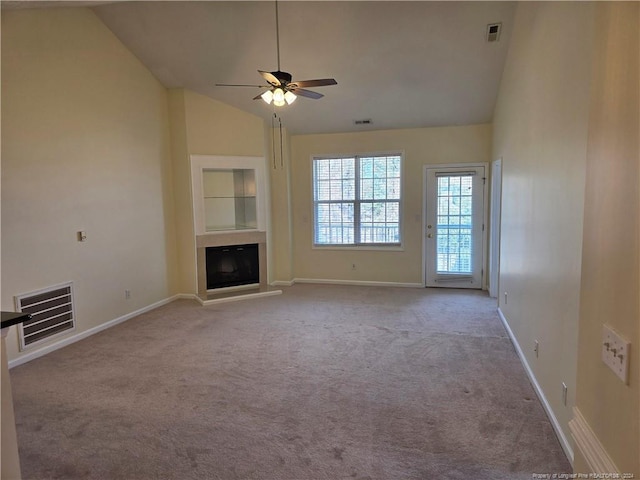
x=357, y=200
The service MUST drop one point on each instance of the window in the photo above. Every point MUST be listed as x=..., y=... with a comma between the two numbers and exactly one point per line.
x=356, y=200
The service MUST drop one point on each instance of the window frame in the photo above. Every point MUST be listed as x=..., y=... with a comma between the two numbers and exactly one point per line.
x=357, y=201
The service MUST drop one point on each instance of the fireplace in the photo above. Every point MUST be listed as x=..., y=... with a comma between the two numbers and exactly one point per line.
x=229, y=241
x=232, y=265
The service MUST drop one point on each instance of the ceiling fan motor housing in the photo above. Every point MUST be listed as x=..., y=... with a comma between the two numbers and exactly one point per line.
x=284, y=77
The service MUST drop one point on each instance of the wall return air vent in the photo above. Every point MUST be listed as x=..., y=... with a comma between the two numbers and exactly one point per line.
x=52, y=313
x=493, y=32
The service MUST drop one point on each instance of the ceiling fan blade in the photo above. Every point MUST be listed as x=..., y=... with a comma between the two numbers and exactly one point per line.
x=241, y=85
x=270, y=77
x=306, y=93
x=321, y=82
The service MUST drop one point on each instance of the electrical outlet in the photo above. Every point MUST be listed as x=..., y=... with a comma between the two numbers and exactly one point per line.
x=536, y=348
x=564, y=394
x=127, y=294
x=615, y=352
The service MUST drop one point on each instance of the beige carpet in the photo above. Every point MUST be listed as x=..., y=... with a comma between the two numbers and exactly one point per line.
x=322, y=382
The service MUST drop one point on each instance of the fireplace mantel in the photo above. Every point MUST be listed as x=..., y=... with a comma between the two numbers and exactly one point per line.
x=230, y=238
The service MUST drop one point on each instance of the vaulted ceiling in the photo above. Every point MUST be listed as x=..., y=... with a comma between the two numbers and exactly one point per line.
x=399, y=64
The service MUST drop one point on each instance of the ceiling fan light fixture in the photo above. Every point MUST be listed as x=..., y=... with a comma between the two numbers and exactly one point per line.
x=279, y=84
x=278, y=97
x=290, y=97
x=267, y=96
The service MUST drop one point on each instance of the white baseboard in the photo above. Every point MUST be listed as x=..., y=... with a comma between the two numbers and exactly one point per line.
x=32, y=355
x=564, y=441
x=597, y=458
x=184, y=296
x=282, y=283
x=363, y=283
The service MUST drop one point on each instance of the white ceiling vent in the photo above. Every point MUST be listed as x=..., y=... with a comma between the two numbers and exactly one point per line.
x=366, y=121
x=493, y=32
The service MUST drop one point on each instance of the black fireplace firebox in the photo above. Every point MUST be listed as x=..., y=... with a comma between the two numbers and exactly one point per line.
x=232, y=266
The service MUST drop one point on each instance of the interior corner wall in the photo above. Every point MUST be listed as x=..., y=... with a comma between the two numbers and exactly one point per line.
x=85, y=146
x=421, y=146
x=540, y=131
x=215, y=128
x=611, y=244
x=279, y=154
x=183, y=199
x=201, y=125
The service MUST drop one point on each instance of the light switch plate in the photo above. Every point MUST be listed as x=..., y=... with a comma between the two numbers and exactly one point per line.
x=615, y=352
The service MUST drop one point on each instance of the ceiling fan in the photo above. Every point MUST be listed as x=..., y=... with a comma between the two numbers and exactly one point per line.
x=281, y=89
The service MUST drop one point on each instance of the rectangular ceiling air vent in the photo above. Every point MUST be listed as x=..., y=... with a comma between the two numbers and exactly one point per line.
x=51, y=310
x=363, y=122
x=493, y=32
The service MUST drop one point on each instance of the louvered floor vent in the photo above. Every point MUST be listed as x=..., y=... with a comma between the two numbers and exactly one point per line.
x=51, y=310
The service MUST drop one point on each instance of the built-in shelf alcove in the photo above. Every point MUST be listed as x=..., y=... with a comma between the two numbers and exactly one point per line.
x=229, y=199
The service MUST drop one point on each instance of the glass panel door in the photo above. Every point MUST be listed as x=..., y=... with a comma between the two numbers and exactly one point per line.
x=455, y=213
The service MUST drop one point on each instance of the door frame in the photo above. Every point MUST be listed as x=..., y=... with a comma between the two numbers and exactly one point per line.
x=494, y=227
x=485, y=215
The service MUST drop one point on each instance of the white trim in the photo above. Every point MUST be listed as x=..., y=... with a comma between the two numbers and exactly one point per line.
x=424, y=226
x=564, y=441
x=92, y=331
x=362, y=283
x=237, y=298
x=258, y=164
x=183, y=296
x=455, y=165
x=235, y=288
x=204, y=162
x=493, y=276
x=282, y=283
x=597, y=458
x=378, y=247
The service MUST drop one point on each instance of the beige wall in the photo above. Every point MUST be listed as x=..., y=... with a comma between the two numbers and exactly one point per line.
x=214, y=128
x=85, y=146
x=201, y=125
x=540, y=131
x=281, y=232
x=421, y=146
x=611, y=245
x=183, y=203
x=91, y=141
x=9, y=457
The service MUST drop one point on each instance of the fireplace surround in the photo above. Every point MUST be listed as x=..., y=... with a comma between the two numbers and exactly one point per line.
x=229, y=207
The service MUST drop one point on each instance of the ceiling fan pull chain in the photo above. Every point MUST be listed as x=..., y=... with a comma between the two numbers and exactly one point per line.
x=281, y=90
x=281, y=155
x=273, y=140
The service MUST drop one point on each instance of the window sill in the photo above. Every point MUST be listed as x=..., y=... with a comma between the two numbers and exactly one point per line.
x=378, y=248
